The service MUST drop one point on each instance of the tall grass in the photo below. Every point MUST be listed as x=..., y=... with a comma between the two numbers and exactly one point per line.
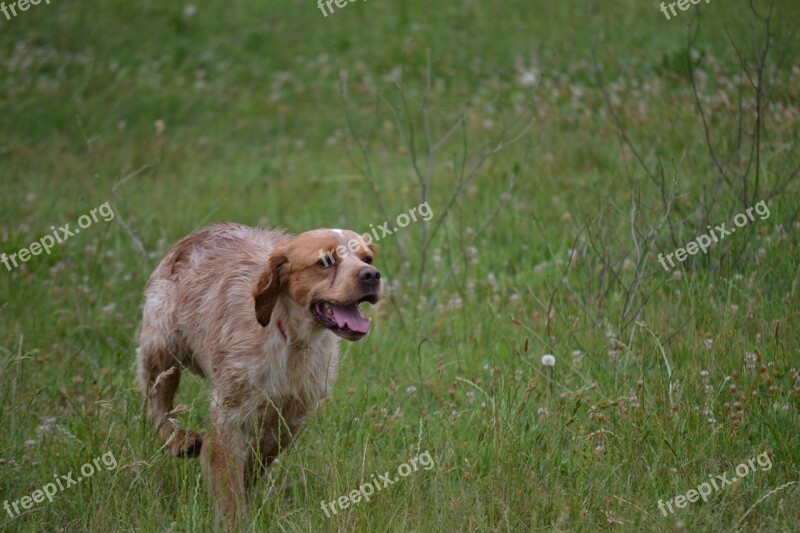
x=268, y=114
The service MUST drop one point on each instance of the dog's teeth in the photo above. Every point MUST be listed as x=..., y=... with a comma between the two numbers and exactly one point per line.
x=328, y=308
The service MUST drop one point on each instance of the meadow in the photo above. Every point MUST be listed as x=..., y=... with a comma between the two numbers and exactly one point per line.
x=561, y=147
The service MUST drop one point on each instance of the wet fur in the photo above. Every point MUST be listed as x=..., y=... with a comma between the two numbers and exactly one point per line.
x=231, y=303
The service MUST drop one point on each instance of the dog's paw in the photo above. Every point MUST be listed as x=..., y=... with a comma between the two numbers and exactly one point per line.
x=187, y=444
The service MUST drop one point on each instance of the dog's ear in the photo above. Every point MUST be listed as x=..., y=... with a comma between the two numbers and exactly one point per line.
x=269, y=285
x=373, y=247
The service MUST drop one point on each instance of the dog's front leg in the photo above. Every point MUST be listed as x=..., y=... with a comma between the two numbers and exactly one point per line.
x=226, y=465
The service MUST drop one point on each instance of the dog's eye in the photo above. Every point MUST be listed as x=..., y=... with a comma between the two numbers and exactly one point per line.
x=322, y=263
x=368, y=260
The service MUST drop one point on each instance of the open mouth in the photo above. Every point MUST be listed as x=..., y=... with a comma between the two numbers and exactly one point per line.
x=345, y=321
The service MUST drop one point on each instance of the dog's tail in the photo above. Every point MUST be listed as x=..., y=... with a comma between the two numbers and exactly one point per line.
x=159, y=376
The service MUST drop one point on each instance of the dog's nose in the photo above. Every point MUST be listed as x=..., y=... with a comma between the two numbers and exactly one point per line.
x=369, y=276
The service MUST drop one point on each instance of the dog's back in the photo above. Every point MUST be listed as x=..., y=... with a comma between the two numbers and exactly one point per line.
x=205, y=279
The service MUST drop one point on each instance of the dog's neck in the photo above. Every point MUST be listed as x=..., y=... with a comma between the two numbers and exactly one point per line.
x=291, y=326
x=279, y=326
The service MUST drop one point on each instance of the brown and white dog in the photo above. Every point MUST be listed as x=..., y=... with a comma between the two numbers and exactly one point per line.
x=259, y=314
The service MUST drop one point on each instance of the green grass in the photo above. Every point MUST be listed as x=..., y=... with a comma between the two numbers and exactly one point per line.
x=652, y=392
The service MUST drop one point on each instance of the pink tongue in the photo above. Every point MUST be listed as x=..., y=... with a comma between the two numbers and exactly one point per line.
x=351, y=317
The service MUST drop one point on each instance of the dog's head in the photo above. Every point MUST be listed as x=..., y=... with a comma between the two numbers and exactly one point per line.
x=328, y=273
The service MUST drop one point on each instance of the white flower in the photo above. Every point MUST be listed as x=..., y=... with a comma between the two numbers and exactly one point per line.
x=529, y=77
x=394, y=75
x=548, y=360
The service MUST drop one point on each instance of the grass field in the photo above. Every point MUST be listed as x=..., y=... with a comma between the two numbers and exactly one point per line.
x=561, y=146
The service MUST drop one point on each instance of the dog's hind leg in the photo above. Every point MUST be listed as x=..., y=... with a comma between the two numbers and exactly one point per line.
x=159, y=372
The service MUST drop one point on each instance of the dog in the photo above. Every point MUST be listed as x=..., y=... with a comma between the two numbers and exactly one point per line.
x=260, y=314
